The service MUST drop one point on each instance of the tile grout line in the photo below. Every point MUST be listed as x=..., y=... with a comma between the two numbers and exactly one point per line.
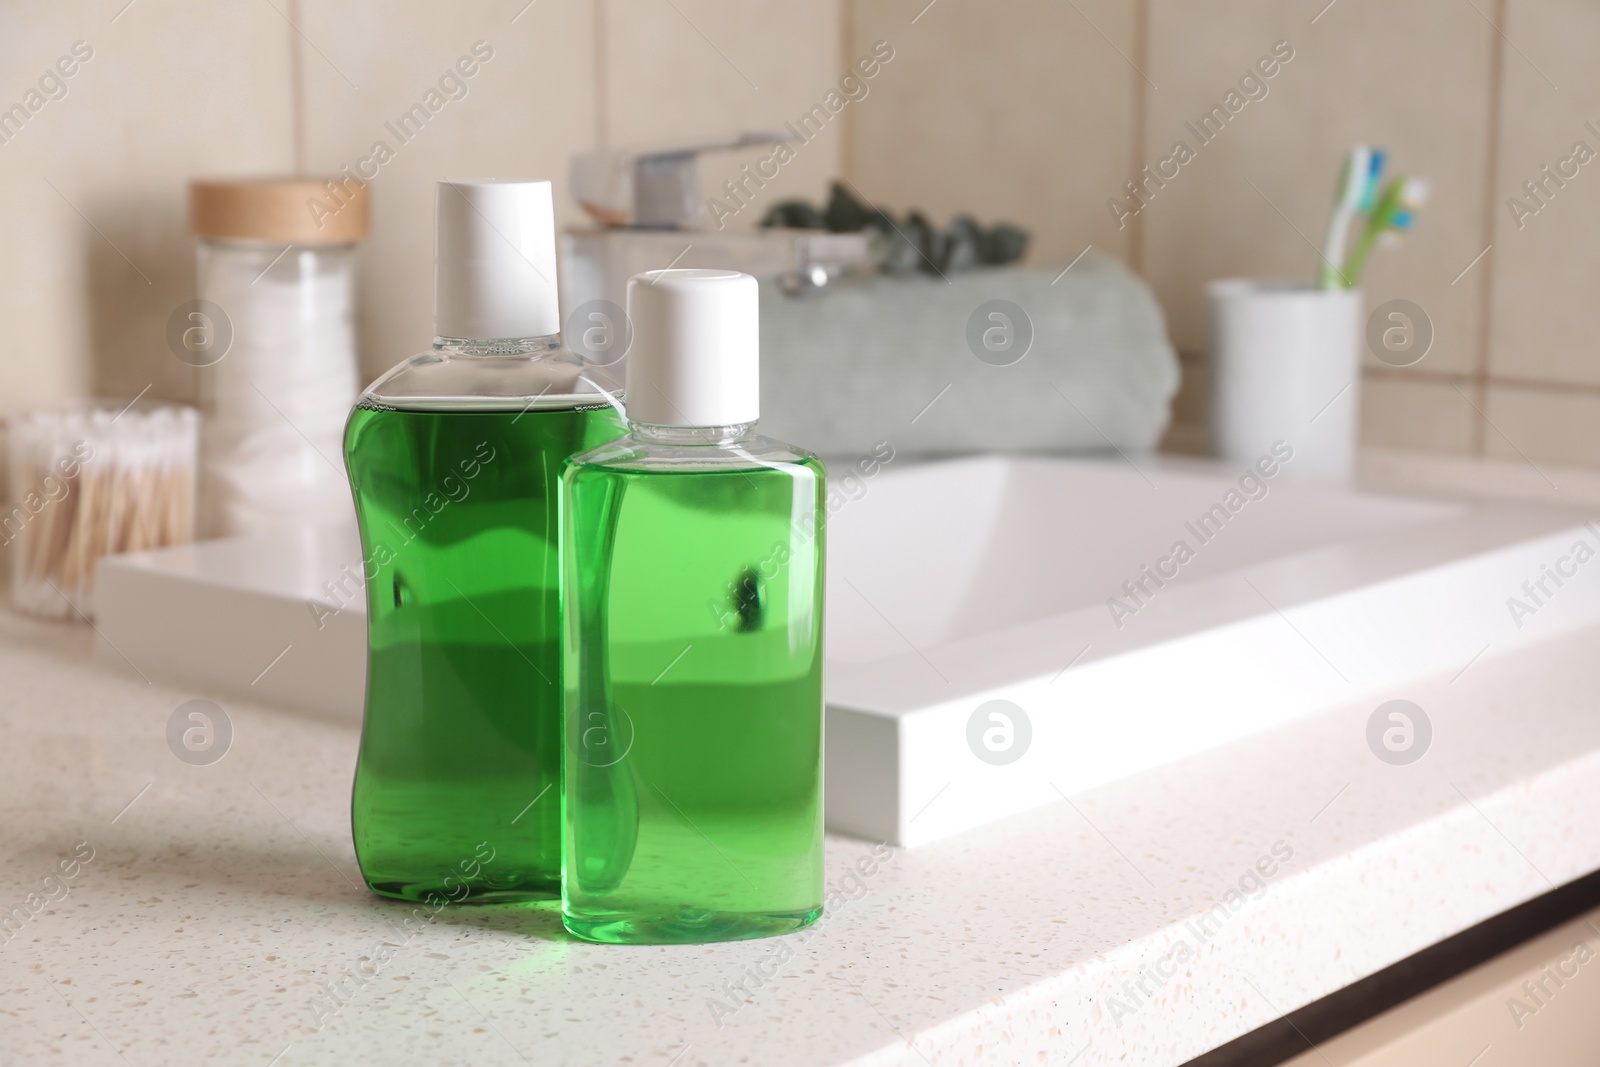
x=1497, y=90
x=1465, y=378
x=846, y=39
x=1141, y=106
x=1469, y=378
x=602, y=84
x=297, y=95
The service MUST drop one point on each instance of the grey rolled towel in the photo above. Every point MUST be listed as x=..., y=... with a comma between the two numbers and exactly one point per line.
x=874, y=358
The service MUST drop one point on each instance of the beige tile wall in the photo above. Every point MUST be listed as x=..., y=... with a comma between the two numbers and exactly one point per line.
x=1031, y=110
x=564, y=78
x=702, y=68
x=94, y=252
x=1022, y=110
x=1546, y=266
x=529, y=106
x=1256, y=200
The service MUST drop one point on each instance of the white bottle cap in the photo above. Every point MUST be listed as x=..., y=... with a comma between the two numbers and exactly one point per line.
x=696, y=354
x=494, y=260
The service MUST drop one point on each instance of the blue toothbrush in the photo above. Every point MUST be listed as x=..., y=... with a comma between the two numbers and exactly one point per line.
x=1357, y=193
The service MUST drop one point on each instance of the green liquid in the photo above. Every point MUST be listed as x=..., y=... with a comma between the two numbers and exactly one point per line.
x=693, y=676
x=460, y=742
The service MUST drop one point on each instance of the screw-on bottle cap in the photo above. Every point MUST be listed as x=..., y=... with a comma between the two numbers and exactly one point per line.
x=696, y=355
x=494, y=260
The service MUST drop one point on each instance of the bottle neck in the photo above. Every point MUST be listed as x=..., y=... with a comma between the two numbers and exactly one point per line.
x=498, y=346
x=692, y=435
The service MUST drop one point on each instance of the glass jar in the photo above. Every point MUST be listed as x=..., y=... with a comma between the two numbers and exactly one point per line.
x=276, y=275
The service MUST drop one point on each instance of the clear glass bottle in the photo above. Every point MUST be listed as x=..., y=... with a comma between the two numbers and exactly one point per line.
x=453, y=459
x=692, y=552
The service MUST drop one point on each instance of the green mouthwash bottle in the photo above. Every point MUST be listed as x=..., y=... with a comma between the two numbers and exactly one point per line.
x=453, y=459
x=692, y=552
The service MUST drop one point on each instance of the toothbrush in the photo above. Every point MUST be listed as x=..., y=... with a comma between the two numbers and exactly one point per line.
x=1357, y=192
x=1393, y=216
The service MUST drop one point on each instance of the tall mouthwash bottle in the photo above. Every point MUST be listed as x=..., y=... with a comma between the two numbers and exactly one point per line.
x=453, y=458
x=692, y=552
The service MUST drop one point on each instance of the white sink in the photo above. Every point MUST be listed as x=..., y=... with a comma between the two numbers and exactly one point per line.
x=957, y=583
x=955, y=550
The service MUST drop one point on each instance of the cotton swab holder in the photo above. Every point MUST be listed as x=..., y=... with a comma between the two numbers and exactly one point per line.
x=93, y=480
x=1286, y=366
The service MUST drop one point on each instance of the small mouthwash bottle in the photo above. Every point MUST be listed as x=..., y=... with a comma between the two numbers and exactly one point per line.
x=453, y=458
x=693, y=575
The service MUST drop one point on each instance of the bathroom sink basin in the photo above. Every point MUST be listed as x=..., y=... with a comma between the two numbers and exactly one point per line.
x=956, y=584
x=1013, y=541
x=1002, y=579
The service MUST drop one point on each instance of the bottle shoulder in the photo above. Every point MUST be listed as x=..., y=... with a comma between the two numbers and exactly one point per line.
x=446, y=379
x=635, y=455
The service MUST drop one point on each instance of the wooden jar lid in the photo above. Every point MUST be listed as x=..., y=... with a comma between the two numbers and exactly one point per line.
x=302, y=211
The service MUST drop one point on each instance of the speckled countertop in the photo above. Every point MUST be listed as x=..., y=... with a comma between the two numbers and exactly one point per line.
x=220, y=899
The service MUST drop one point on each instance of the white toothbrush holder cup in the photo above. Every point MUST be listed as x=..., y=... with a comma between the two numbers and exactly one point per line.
x=1286, y=366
